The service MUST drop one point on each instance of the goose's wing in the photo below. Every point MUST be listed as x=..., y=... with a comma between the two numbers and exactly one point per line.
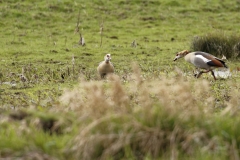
x=211, y=60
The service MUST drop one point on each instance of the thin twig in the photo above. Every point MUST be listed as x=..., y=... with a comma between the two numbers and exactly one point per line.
x=81, y=41
x=101, y=32
x=73, y=64
x=78, y=23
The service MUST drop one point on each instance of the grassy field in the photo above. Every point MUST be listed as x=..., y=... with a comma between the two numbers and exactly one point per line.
x=152, y=108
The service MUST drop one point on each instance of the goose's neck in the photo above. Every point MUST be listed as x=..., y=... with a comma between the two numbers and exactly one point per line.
x=187, y=57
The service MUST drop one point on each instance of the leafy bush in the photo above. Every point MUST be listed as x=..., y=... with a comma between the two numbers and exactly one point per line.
x=218, y=43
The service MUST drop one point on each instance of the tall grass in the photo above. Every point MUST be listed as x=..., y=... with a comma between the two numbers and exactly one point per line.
x=218, y=43
x=166, y=117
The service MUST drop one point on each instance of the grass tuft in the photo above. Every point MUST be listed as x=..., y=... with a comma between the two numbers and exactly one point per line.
x=218, y=43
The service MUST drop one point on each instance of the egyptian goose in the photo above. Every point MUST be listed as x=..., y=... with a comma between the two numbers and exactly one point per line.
x=201, y=60
x=105, y=67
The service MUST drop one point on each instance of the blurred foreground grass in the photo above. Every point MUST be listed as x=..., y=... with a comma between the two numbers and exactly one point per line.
x=143, y=118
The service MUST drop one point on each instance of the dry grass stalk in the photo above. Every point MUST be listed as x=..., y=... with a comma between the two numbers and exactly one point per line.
x=232, y=108
x=101, y=33
x=118, y=95
x=73, y=64
x=82, y=40
x=78, y=23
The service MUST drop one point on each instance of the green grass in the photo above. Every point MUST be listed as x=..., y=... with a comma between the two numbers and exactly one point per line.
x=150, y=104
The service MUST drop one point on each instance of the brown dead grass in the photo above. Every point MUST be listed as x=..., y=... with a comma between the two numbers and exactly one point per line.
x=142, y=117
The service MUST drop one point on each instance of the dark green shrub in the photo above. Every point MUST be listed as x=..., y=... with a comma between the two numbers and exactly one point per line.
x=218, y=44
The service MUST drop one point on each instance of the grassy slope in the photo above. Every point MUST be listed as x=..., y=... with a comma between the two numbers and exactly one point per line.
x=39, y=37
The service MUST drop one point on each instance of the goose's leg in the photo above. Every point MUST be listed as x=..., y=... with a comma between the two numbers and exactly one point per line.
x=103, y=75
x=199, y=74
x=196, y=72
x=213, y=75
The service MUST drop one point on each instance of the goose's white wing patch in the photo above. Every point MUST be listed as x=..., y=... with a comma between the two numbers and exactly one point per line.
x=203, y=58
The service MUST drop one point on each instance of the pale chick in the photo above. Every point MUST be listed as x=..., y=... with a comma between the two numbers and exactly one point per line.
x=105, y=67
x=201, y=60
